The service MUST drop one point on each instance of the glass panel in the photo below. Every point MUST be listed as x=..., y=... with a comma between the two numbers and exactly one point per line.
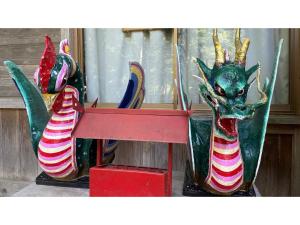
x=198, y=43
x=107, y=53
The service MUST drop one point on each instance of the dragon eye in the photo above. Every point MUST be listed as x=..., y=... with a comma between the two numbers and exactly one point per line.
x=219, y=90
x=241, y=92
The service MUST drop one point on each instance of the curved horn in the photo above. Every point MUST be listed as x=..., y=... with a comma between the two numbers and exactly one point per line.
x=264, y=97
x=220, y=56
x=241, y=48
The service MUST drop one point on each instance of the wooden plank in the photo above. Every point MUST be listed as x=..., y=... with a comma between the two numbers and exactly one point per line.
x=179, y=157
x=23, y=54
x=27, y=36
x=295, y=177
x=9, y=91
x=154, y=112
x=274, y=176
x=150, y=154
x=28, y=161
x=28, y=70
x=167, y=126
x=130, y=153
x=1, y=148
x=11, y=103
x=10, y=144
x=7, y=86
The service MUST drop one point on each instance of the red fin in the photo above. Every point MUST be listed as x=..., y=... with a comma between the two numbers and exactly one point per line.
x=76, y=105
x=94, y=105
x=46, y=64
x=57, y=105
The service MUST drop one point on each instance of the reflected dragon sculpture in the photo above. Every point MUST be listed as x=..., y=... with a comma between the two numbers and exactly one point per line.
x=225, y=152
x=54, y=106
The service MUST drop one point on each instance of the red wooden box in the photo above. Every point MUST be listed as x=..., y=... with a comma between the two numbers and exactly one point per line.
x=128, y=181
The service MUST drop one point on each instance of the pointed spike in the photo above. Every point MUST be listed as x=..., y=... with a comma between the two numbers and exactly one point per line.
x=204, y=68
x=241, y=48
x=266, y=84
x=250, y=71
x=220, y=57
x=238, y=38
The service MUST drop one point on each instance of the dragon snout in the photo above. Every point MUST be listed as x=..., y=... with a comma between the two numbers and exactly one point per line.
x=241, y=107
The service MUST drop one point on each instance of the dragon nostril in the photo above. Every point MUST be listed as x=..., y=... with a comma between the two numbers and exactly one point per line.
x=241, y=107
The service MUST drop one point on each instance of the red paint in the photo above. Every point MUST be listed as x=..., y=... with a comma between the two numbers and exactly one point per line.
x=226, y=157
x=168, y=126
x=226, y=187
x=223, y=141
x=170, y=167
x=121, y=181
x=228, y=174
x=99, y=152
x=46, y=64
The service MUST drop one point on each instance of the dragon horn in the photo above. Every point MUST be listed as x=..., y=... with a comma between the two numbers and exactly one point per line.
x=241, y=48
x=220, y=56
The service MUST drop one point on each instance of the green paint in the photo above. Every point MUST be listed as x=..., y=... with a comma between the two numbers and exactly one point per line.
x=36, y=110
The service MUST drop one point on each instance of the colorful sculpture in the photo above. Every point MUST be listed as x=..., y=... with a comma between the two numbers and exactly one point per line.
x=225, y=152
x=60, y=89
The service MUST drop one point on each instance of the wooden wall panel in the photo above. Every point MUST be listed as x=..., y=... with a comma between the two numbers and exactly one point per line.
x=27, y=36
x=17, y=160
x=10, y=143
x=24, y=47
x=28, y=162
x=150, y=154
x=274, y=175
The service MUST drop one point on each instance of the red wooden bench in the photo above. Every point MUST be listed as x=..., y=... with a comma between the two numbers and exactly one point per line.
x=167, y=126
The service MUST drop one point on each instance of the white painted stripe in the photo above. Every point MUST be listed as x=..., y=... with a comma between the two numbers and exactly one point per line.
x=227, y=168
x=68, y=172
x=55, y=150
x=226, y=151
x=67, y=104
x=57, y=170
x=57, y=136
x=191, y=147
x=69, y=110
x=54, y=128
x=58, y=160
x=62, y=119
x=227, y=183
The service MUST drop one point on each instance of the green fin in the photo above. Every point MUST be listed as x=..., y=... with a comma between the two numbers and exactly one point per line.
x=252, y=132
x=37, y=113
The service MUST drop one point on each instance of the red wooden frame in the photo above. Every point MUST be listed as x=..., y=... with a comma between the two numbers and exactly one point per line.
x=167, y=126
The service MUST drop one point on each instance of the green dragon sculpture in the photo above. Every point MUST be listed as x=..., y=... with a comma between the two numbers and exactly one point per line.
x=225, y=152
x=59, y=84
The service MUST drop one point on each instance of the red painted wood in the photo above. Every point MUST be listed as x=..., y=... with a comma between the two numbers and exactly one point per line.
x=170, y=167
x=121, y=181
x=99, y=152
x=168, y=126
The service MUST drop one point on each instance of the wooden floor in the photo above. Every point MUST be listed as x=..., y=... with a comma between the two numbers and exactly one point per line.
x=30, y=189
x=10, y=188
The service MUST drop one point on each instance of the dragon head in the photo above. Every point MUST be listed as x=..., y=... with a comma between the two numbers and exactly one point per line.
x=54, y=71
x=225, y=87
